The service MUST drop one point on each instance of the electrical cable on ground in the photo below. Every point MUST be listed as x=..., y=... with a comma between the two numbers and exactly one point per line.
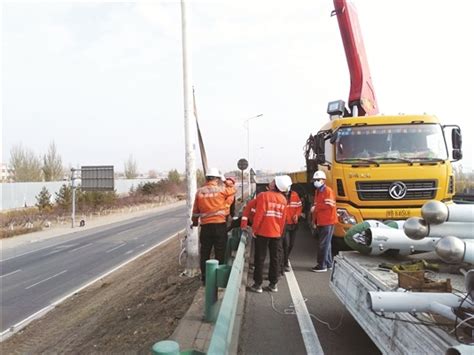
x=456, y=325
x=290, y=311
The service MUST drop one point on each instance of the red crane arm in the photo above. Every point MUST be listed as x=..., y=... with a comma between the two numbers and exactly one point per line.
x=362, y=94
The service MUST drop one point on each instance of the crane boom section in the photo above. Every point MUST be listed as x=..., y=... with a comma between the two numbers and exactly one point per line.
x=362, y=94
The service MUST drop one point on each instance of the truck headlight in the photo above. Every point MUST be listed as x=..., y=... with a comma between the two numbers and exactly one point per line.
x=345, y=217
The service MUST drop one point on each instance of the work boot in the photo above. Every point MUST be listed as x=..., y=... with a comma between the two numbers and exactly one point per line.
x=273, y=287
x=256, y=288
x=318, y=268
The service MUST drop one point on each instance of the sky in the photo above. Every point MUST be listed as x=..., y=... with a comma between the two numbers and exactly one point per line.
x=103, y=80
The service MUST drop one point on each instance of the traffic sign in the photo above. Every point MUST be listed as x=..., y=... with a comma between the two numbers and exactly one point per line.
x=243, y=164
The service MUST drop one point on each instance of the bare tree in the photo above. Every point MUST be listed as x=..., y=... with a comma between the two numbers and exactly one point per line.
x=52, y=164
x=26, y=164
x=130, y=168
x=152, y=174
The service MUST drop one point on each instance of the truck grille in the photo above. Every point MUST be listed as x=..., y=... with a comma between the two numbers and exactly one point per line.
x=379, y=190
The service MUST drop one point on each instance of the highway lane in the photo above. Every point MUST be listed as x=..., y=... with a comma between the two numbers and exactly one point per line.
x=34, y=276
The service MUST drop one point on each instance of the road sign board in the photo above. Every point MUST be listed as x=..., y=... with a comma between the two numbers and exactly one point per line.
x=97, y=178
x=243, y=164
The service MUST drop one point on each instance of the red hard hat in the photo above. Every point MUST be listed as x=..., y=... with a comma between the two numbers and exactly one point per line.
x=231, y=179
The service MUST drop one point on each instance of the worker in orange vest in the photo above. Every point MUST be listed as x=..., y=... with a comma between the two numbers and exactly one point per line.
x=293, y=212
x=229, y=183
x=248, y=213
x=210, y=205
x=268, y=226
x=324, y=218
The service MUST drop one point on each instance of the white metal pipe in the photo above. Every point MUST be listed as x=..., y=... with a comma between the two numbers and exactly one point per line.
x=411, y=301
x=454, y=250
x=192, y=260
x=417, y=228
x=436, y=212
x=461, y=349
x=383, y=239
x=442, y=310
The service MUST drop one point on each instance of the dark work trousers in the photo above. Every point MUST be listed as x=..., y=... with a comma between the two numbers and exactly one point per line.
x=213, y=235
x=288, y=241
x=261, y=245
x=324, y=235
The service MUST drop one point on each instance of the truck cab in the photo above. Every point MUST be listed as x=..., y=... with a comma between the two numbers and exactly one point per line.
x=384, y=167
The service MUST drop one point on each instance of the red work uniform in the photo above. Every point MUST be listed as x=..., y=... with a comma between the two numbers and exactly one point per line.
x=324, y=217
x=268, y=225
x=324, y=212
x=293, y=211
x=248, y=213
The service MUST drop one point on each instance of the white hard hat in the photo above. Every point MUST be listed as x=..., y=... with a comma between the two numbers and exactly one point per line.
x=283, y=183
x=319, y=175
x=213, y=172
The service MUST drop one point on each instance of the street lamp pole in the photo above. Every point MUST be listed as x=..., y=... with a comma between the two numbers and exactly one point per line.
x=248, y=148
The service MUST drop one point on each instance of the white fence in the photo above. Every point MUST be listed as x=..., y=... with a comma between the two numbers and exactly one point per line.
x=21, y=194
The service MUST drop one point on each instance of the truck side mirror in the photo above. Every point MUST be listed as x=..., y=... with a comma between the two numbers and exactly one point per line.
x=457, y=154
x=320, y=151
x=456, y=141
x=456, y=138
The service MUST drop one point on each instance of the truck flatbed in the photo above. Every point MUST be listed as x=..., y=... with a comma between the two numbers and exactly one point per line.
x=355, y=274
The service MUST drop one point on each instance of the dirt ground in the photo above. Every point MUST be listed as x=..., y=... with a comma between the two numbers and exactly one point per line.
x=126, y=312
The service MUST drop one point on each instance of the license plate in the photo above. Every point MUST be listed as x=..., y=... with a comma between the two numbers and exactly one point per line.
x=397, y=213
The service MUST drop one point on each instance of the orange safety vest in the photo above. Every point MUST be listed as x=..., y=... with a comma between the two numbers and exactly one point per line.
x=211, y=202
x=270, y=214
x=324, y=213
x=248, y=213
x=294, y=208
x=229, y=201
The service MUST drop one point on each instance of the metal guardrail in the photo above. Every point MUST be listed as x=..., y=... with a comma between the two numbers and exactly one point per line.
x=223, y=313
x=221, y=337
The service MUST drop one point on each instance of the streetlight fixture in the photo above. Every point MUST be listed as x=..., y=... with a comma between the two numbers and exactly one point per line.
x=247, y=121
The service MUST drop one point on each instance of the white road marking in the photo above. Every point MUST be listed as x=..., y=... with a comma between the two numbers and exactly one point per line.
x=28, y=252
x=49, y=278
x=310, y=338
x=53, y=252
x=119, y=246
x=23, y=323
x=83, y=246
x=129, y=252
x=10, y=273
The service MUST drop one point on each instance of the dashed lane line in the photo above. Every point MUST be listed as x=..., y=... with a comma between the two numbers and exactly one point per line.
x=83, y=246
x=46, y=279
x=10, y=273
x=118, y=246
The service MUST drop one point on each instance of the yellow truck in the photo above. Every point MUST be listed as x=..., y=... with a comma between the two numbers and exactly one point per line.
x=381, y=167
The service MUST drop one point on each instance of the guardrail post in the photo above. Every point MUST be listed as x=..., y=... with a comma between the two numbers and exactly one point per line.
x=211, y=290
x=166, y=347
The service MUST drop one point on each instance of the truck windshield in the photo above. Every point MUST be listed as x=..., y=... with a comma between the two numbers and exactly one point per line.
x=391, y=143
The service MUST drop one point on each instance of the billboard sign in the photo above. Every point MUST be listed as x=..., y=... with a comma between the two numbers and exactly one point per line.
x=97, y=178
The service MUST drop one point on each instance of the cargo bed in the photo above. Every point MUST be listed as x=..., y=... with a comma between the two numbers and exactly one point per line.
x=354, y=275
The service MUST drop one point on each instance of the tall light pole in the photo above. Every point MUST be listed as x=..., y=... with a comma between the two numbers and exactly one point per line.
x=247, y=121
x=192, y=244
